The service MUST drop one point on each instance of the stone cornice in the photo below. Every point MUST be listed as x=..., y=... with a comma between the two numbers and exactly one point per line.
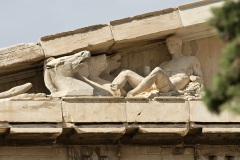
x=99, y=120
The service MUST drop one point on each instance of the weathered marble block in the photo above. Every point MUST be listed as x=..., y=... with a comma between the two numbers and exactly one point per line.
x=179, y=131
x=194, y=26
x=190, y=15
x=100, y=133
x=174, y=111
x=200, y=113
x=155, y=22
x=30, y=111
x=100, y=130
x=97, y=38
x=19, y=56
x=34, y=133
x=221, y=130
x=93, y=109
x=139, y=29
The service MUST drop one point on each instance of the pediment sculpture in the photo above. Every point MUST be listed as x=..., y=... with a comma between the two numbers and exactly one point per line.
x=80, y=75
x=180, y=75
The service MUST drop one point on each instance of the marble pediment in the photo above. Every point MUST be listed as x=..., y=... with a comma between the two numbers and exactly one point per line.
x=135, y=42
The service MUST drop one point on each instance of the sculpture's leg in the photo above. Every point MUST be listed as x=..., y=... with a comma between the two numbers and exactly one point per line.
x=16, y=90
x=158, y=77
x=180, y=81
x=126, y=76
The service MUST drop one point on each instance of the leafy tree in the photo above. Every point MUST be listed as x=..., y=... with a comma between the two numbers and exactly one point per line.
x=226, y=89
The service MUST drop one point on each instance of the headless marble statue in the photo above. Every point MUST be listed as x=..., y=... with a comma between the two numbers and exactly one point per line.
x=97, y=73
x=172, y=75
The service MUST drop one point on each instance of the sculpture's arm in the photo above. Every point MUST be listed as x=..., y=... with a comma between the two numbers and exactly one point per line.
x=197, y=72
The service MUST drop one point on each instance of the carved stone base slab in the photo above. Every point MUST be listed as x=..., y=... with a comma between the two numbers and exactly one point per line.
x=30, y=111
x=80, y=110
x=157, y=111
x=200, y=113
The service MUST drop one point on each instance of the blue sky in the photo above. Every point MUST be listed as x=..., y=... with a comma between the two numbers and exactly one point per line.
x=24, y=21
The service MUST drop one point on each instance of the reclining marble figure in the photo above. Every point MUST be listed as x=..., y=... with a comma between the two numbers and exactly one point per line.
x=60, y=75
x=16, y=90
x=172, y=75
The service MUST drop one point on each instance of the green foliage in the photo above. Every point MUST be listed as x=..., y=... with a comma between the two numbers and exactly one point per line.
x=226, y=90
x=226, y=20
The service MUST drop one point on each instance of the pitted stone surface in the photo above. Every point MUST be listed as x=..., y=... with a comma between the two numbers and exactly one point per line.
x=94, y=110
x=96, y=38
x=19, y=56
x=30, y=111
x=200, y=113
x=157, y=111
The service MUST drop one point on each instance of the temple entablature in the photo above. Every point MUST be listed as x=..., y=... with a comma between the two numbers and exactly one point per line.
x=111, y=120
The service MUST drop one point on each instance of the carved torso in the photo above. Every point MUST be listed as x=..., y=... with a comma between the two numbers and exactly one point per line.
x=179, y=66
